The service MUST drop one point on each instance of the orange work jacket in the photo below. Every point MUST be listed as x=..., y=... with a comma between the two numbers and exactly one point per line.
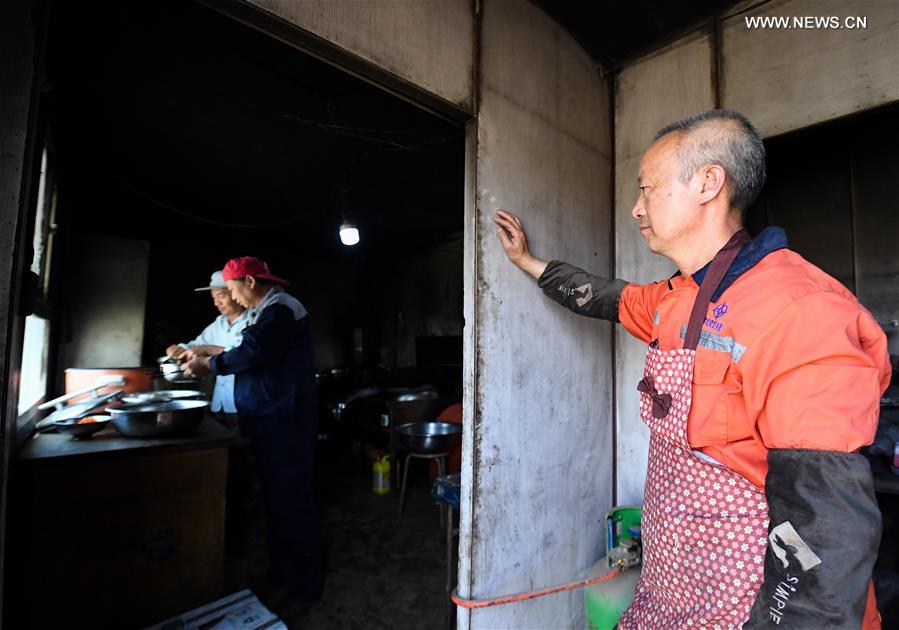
x=788, y=358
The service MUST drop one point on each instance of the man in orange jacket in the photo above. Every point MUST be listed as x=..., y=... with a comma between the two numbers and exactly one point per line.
x=762, y=381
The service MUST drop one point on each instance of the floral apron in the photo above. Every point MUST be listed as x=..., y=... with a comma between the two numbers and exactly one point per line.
x=705, y=527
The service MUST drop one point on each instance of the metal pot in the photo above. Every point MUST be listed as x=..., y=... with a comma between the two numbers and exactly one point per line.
x=418, y=394
x=430, y=438
x=162, y=419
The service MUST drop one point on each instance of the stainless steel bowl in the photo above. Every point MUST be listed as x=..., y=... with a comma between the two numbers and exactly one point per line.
x=430, y=438
x=84, y=430
x=172, y=367
x=173, y=372
x=162, y=419
x=162, y=395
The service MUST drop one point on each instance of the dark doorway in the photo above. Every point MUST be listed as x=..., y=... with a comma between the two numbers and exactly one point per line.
x=177, y=139
x=831, y=188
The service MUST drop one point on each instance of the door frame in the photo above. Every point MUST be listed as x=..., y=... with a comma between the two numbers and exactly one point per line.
x=23, y=37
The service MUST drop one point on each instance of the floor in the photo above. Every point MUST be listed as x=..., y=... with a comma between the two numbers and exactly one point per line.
x=380, y=570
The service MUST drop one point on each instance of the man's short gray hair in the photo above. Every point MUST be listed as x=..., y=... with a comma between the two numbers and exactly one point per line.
x=726, y=138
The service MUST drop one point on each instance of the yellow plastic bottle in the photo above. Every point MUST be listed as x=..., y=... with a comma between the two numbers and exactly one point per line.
x=381, y=475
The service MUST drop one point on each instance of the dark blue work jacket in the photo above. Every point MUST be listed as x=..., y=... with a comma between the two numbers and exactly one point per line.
x=274, y=363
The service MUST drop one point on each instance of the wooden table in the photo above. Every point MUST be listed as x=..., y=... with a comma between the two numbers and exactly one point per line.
x=115, y=532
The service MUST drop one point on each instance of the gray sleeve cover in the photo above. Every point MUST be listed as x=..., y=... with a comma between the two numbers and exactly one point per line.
x=823, y=540
x=581, y=292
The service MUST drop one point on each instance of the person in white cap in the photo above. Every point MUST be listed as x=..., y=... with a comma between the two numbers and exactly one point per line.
x=224, y=333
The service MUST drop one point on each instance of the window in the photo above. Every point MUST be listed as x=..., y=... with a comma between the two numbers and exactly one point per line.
x=36, y=339
x=44, y=227
x=35, y=351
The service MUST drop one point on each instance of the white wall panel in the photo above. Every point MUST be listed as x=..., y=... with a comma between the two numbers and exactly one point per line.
x=785, y=78
x=539, y=465
x=427, y=43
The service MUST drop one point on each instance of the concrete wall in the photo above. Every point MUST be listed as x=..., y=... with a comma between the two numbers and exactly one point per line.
x=537, y=458
x=105, y=311
x=786, y=79
x=430, y=299
x=429, y=44
x=782, y=79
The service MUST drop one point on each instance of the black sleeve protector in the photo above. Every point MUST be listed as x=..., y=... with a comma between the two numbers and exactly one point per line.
x=823, y=538
x=581, y=292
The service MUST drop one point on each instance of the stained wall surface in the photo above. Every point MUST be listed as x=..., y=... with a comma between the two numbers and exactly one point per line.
x=106, y=315
x=538, y=463
x=429, y=44
x=786, y=78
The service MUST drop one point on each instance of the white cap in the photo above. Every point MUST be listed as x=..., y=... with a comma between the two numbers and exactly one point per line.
x=217, y=281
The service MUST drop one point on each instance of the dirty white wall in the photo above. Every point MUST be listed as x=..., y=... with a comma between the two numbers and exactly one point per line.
x=786, y=79
x=105, y=312
x=783, y=80
x=659, y=89
x=429, y=44
x=537, y=467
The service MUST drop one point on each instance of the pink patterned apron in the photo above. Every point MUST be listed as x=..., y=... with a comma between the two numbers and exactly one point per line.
x=705, y=527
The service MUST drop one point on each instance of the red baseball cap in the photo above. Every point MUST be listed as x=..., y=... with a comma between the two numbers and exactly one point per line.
x=240, y=268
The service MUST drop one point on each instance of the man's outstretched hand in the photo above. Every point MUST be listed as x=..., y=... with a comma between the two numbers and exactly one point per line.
x=515, y=242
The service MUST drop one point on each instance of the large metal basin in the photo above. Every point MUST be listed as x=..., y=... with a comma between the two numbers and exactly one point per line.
x=430, y=438
x=163, y=419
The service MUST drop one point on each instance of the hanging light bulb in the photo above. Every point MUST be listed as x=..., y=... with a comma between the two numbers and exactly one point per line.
x=349, y=233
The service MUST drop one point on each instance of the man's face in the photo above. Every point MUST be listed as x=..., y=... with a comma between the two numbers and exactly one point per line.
x=223, y=302
x=240, y=292
x=666, y=209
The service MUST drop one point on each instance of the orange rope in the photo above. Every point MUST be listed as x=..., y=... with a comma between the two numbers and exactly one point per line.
x=520, y=597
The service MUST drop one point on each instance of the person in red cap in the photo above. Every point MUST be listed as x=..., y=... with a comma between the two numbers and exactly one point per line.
x=275, y=397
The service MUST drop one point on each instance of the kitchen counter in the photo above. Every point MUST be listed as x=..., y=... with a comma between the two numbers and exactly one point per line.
x=111, y=443
x=133, y=528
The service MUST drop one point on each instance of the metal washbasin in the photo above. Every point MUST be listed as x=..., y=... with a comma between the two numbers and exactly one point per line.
x=430, y=438
x=162, y=419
